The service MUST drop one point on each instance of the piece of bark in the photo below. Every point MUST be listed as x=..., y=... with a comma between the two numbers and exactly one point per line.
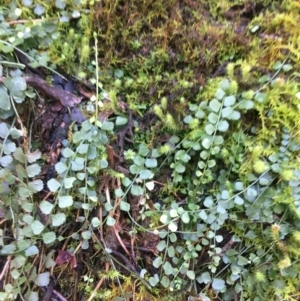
x=66, y=98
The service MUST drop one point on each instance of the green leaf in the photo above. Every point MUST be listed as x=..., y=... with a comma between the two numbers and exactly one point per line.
x=80, y=176
x=246, y=105
x=251, y=192
x=238, y=200
x=210, y=129
x=224, y=84
x=229, y=100
x=223, y=126
x=227, y=112
x=8, y=249
x=179, y=168
x=136, y=190
x=92, y=195
x=168, y=268
x=277, y=65
x=53, y=185
x=242, y=260
x=173, y=213
x=110, y=221
x=161, y=245
x=21, y=172
x=260, y=97
x=58, y=219
x=37, y=227
x=204, y=278
x=32, y=157
x=61, y=167
x=119, y=73
x=204, y=155
x=218, y=284
x=68, y=182
x=203, y=215
x=119, y=192
x=36, y=185
x=173, y=237
x=46, y=207
x=78, y=164
x=151, y=163
x=171, y=251
x=255, y=28
x=239, y=186
x=96, y=222
x=157, y=262
x=33, y=296
x=77, y=137
x=134, y=169
x=206, y=143
x=174, y=139
x=165, y=282
x=9, y=147
x=231, y=252
x=150, y=185
x=43, y=279
x=31, y=251
x=28, y=218
x=121, y=120
x=82, y=148
x=146, y=174
x=213, y=117
x=219, y=238
x=61, y=4
x=220, y=94
x=211, y=163
x=6, y=160
x=287, y=67
x=86, y=235
x=138, y=160
x=154, y=154
x=103, y=164
x=200, y=114
x=124, y=206
x=4, y=100
x=4, y=131
x=185, y=217
x=164, y=219
x=144, y=150
x=126, y=181
x=108, y=206
x=108, y=126
x=208, y=202
x=173, y=227
x=49, y=237
x=154, y=280
x=236, y=115
x=264, y=79
x=215, y=105
x=16, y=85
x=191, y=274
x=188, y=119
x=218, y=140
x=65, y=201
x=67, y=152
x=225, y=195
